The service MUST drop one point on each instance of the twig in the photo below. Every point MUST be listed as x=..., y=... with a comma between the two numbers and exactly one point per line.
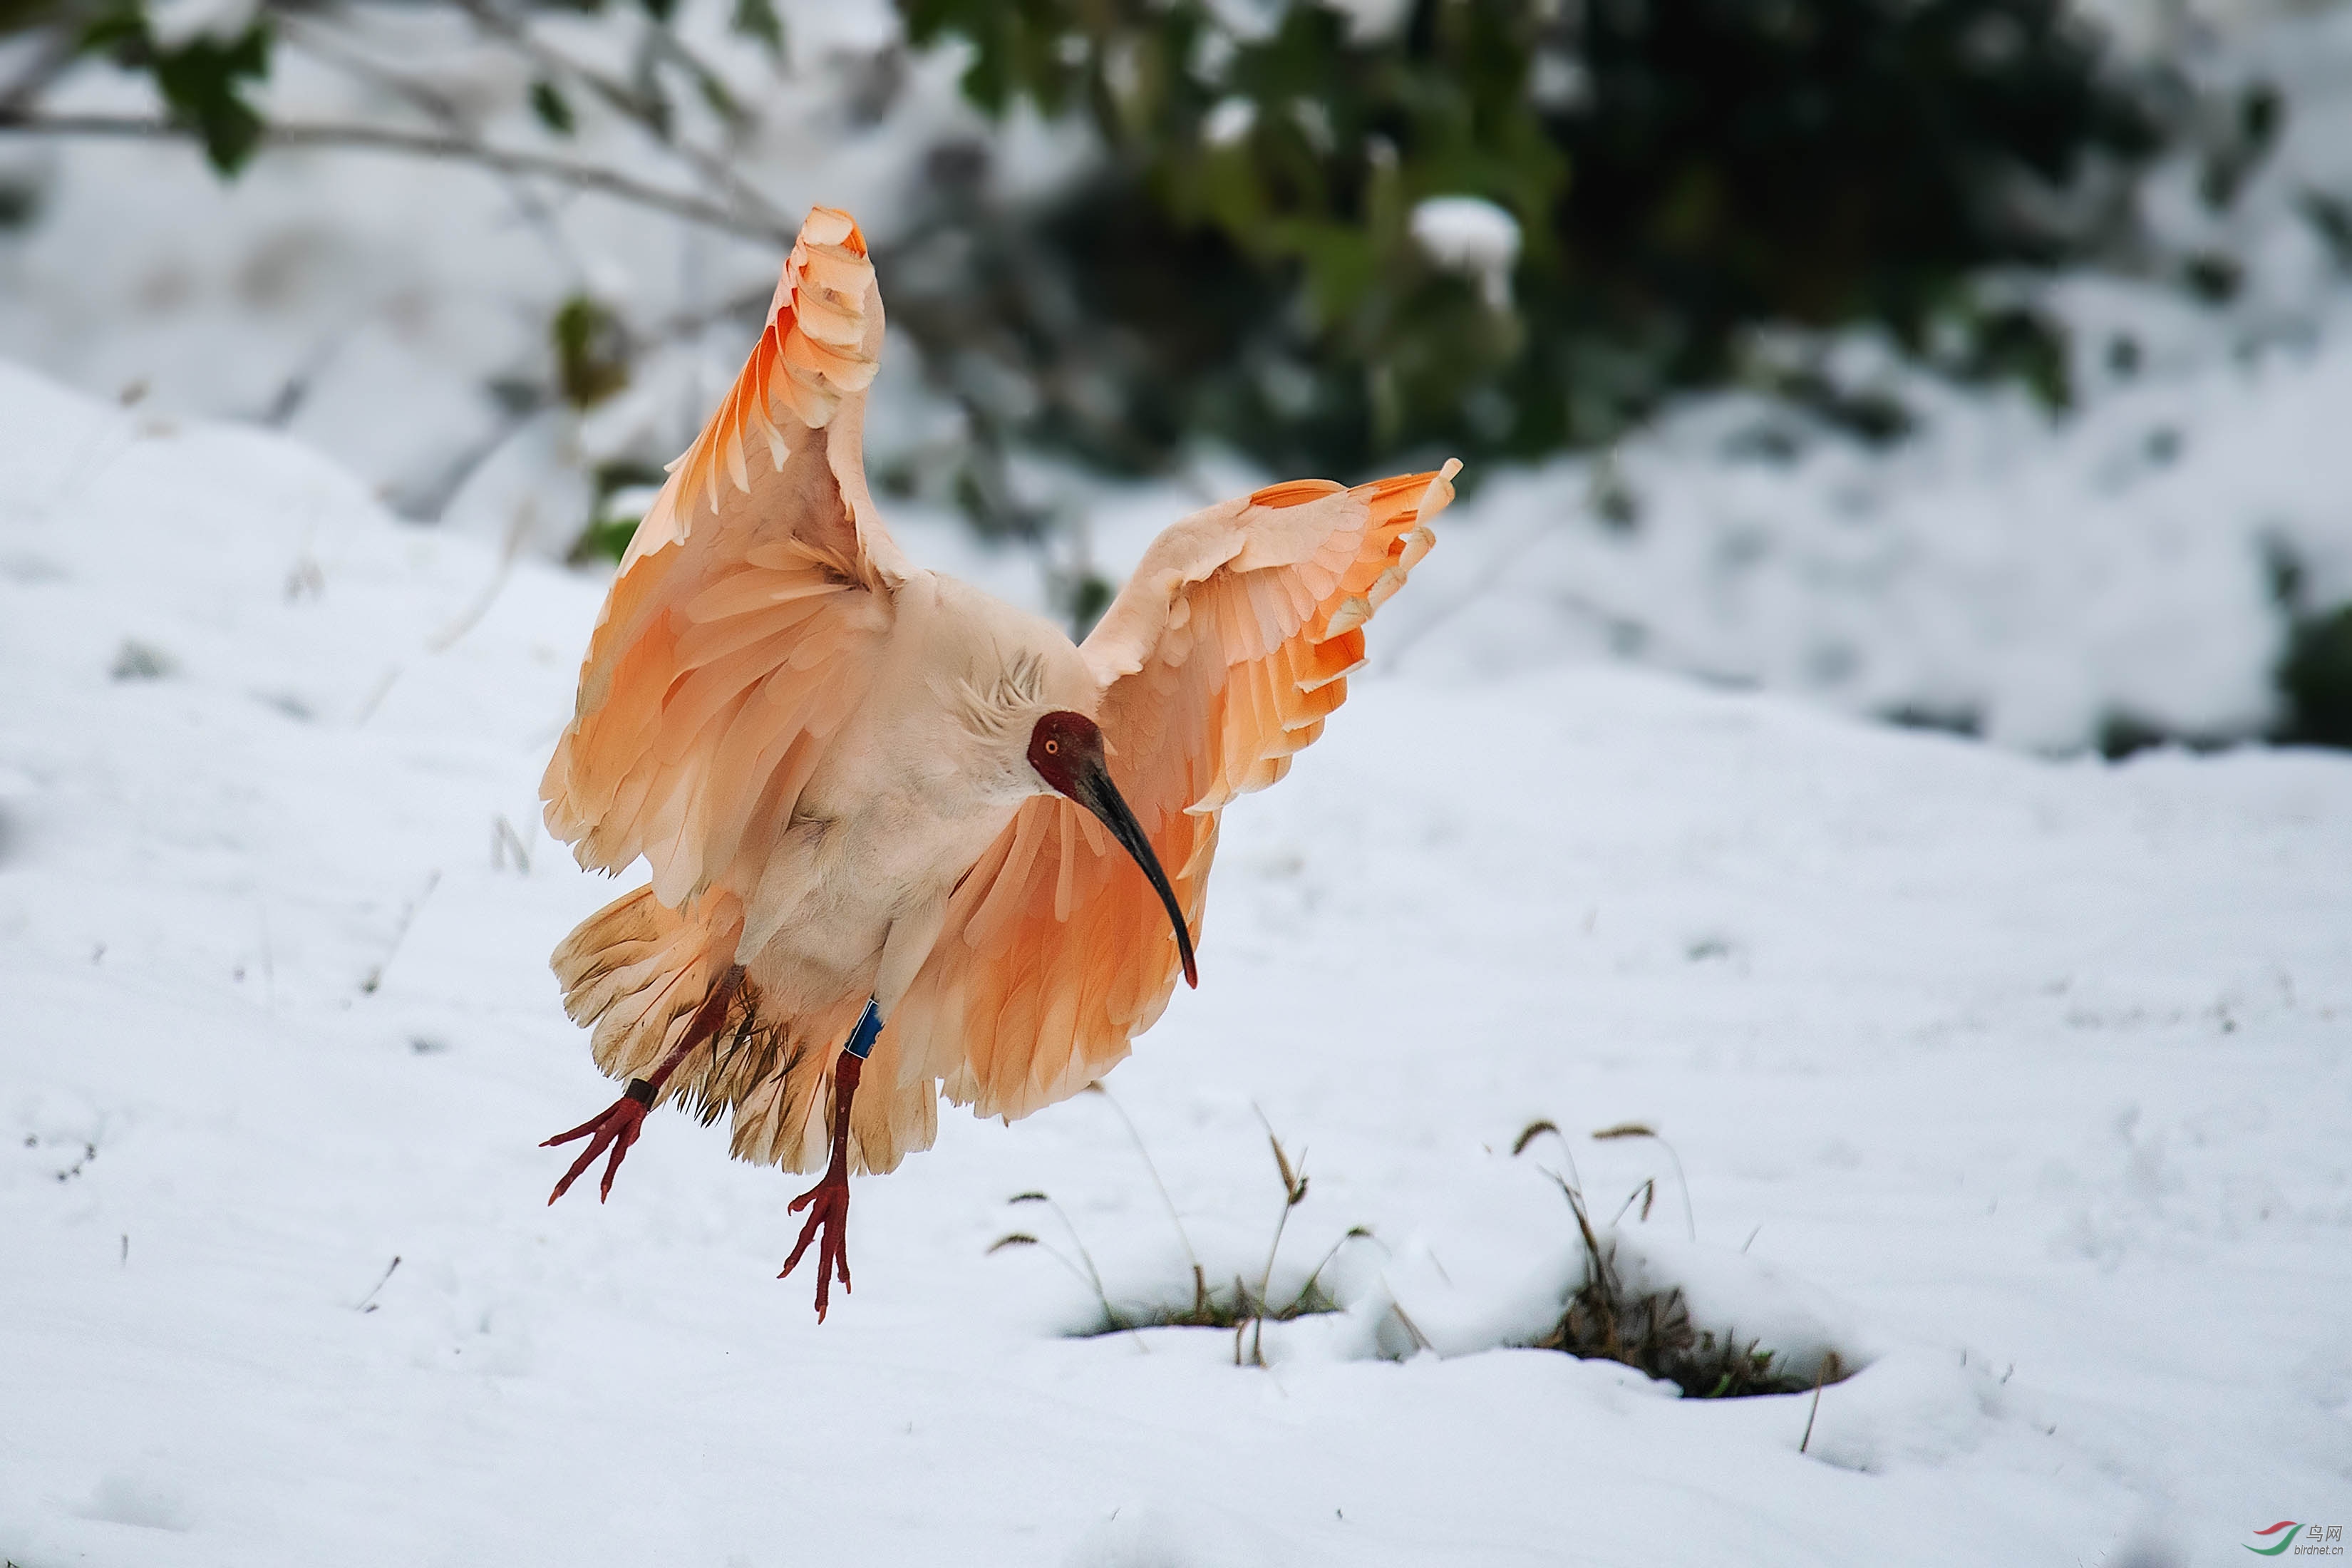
x=1294, y=1193
x=367, y=1302
x=419, y=144
x=1420, y=1340
x=1023, y=1238
x=518, y=528
x=687, y=324
x=1355, y=1232
x=1645, y=1191
x=1092, y=1276
x=375, y=697
x=60, y=50
x=1200, y=1278
x=1636, y=1130
x=437, y=106
x=302, y=32
x=505, y=841
x=407, y=916
x=1828, y=1364
x=640, y=107
x=1603, y=1275
x=268, y=962
x=431, y=501
x=1534, y=1130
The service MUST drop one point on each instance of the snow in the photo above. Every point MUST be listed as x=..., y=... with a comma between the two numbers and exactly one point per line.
x=2020, y=1083
x=1229, y=122
x=2026, y=581
x=1371, y=20
x=1472, y=235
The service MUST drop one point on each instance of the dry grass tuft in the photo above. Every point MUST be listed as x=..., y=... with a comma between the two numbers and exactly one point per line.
x=1244, y=1308
x=1654, y=1332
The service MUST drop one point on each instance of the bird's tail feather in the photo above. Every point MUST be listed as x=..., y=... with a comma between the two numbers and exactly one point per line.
x=637, y=971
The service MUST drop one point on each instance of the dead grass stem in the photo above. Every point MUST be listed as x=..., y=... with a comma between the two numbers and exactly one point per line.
x=1183, y=1238
x=1243, y=1308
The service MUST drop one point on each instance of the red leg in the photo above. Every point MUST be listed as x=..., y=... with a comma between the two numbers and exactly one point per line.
x=618, y=1124
x=829, y=1201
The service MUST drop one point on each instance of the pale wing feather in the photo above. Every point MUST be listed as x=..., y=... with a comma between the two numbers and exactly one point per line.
x=1221, y=659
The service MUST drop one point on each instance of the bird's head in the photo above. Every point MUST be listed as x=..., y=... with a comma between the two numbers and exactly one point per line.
x=1067, y=751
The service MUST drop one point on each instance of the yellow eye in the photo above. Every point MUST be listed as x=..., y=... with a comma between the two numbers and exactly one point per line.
x=1052, y=747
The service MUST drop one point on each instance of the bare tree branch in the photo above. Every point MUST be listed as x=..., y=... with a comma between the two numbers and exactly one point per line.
x=50, y=60
x=307, y=33
x=422, y=145
x=338, y=54
x=643, y=108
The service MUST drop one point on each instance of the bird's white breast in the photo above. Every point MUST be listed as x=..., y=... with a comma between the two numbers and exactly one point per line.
x=913, y=789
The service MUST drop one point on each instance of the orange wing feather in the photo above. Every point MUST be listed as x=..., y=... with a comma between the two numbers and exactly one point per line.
x=740, y=632
x=1222, y=659
x=740, y=635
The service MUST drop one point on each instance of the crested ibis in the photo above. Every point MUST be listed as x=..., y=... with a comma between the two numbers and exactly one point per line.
x=907, y=841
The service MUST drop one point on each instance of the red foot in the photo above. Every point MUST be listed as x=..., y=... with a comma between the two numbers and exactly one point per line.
x=828, y=1227
x=617, y=1125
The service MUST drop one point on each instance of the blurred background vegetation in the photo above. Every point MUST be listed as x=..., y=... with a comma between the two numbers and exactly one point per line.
x=1627, y=187
x=1335, y=239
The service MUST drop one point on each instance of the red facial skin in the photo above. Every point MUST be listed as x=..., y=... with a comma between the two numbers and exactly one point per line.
x=1062, y=747
x=1066, y=749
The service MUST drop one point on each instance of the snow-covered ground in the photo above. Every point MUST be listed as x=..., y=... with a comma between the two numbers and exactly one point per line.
x=2023, y=1082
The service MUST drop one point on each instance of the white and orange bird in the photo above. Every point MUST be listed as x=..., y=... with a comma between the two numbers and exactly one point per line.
x=900, y=831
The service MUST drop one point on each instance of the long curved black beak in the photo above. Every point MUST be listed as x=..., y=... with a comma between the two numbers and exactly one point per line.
x=1096, y=792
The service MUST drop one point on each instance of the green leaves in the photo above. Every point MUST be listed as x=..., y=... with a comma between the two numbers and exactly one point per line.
x=758, y=19
x=1016, y=45
x=1245, y=266
x=1289, y=163
x=2315, y=675
x=203, y=83
x=591, y=352
x=552, y=108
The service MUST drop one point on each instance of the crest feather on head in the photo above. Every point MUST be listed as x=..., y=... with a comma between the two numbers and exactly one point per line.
x=999, y=703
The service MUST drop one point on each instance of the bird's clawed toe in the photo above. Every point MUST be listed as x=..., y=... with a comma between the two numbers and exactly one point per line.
x=828, y=1227
x=616, y=1127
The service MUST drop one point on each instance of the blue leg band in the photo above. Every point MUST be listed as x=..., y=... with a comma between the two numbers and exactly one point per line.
x=870, y=1025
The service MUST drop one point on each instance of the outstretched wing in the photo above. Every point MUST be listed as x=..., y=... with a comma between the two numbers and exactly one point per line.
x=1218, y=660
x=741, y=630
